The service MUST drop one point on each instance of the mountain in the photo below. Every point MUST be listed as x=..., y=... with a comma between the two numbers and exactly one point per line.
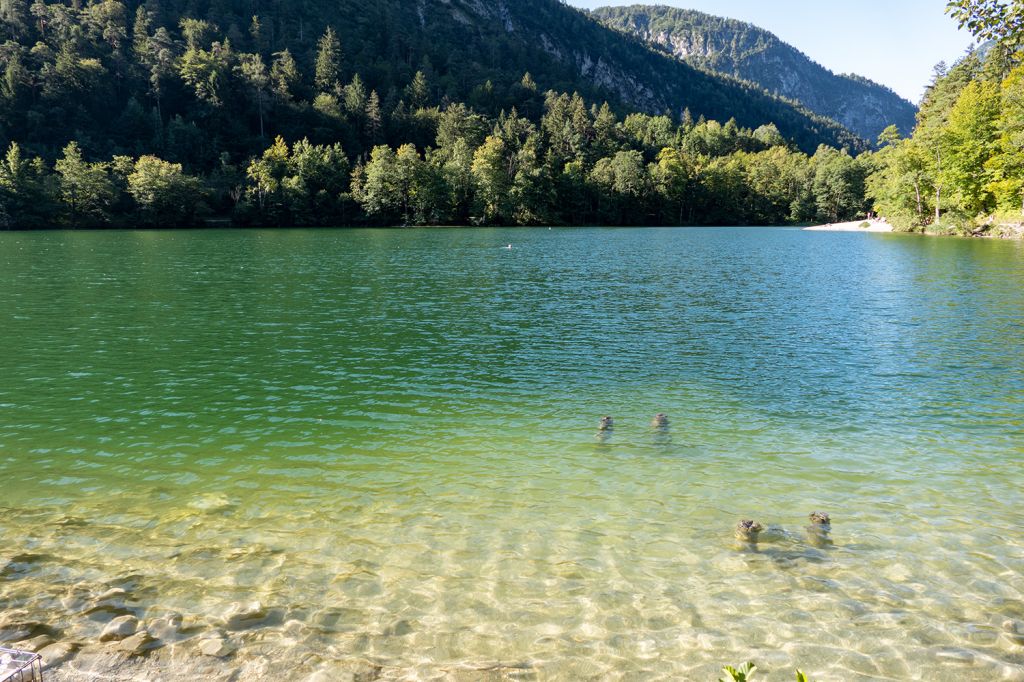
x=752, y=54
x=209, y=77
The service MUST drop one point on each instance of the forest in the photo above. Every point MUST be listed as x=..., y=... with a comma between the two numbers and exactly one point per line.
x=135, y=114
x=168, y=113
x=962, y=171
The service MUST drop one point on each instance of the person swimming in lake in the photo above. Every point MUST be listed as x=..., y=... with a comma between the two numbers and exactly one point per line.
x=748, y=531
x=605, y=429
x=660, y=421
x=819, y=532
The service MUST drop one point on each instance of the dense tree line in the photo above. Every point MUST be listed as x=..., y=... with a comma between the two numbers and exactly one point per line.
x=963, y=167
x=574, y=165
x=129, y=113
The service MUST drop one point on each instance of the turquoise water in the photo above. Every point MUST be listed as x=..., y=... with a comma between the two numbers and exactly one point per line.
x=389, y=439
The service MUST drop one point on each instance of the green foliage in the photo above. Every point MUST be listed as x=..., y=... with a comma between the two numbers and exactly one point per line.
x=965, y=160
x=1006, y=166
x=997, y=20
x=164, y=194
x=172, y=104
x=743, y=674
x=746, y=672
x=207, y=72
x=968, y=142
x=623, y=184
x=328, y=62
x=285, y=77
x=27, y=192
x=67, y=65
x=84, y=188
x=306, y=184
x=838, y=184
x=577, y=165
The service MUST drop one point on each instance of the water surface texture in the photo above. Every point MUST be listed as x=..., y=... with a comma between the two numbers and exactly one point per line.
x=389, y=440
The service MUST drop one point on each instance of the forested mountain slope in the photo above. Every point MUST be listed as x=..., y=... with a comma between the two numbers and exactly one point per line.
x=753, y=54
x=191, y=79
x=174, y=113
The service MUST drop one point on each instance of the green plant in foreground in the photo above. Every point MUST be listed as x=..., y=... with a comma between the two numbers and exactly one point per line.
x=745, y=672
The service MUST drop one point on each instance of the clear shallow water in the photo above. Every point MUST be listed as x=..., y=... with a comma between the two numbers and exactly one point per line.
x=388, y=439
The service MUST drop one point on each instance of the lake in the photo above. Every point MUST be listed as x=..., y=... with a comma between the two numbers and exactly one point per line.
x=388, y=439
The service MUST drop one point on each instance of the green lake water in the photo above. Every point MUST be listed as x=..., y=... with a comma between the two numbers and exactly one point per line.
x=389, y=439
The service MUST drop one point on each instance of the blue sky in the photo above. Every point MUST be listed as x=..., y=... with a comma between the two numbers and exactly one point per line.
x=894, y=42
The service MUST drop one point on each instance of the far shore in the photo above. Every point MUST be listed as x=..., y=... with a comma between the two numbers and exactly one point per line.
x=872, y=225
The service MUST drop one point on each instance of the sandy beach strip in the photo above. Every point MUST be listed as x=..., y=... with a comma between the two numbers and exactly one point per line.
x=874, y=225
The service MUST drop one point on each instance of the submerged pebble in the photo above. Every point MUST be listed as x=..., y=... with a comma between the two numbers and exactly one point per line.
x=167, y=629
x=241, y=616
x=137, y=644
x=119, y=628
x=57, y=654
x=35, y=644
x=217, y=647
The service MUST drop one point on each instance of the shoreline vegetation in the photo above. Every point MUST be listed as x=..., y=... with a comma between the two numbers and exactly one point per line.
x=212, y=135
x=574, y=166
x=961, y=172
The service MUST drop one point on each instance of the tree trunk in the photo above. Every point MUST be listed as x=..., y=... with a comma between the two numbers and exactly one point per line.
x=259, y=99
x=917, y=191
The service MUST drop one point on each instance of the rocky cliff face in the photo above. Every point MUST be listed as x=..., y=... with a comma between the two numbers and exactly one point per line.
x=749, y=53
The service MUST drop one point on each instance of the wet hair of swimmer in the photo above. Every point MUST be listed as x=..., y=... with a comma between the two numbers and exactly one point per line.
x=820, y=518
x=748, y=530
x=607, y=423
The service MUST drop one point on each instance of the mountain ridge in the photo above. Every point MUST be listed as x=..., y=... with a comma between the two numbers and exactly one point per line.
x=751, y=53
x=470, y=50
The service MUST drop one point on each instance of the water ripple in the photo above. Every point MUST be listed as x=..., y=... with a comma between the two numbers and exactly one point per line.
x=389, y=439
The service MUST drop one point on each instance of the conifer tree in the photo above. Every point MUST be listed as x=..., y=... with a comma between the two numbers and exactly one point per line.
x=328, y=62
